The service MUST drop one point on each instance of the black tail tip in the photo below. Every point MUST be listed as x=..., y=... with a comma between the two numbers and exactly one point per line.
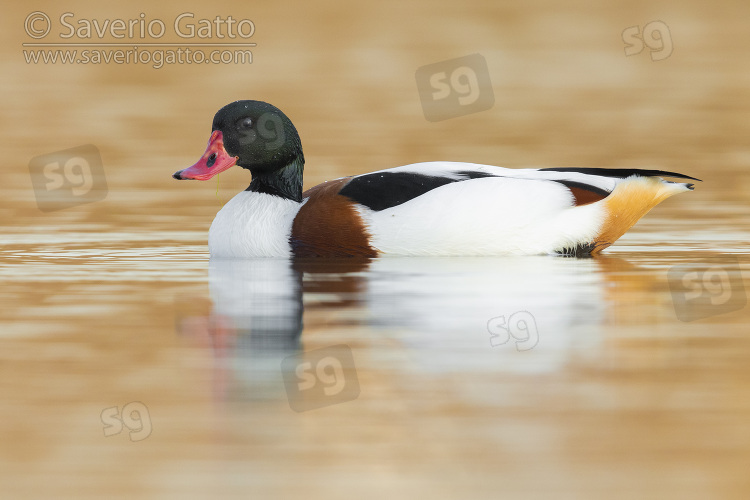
x=690, y=186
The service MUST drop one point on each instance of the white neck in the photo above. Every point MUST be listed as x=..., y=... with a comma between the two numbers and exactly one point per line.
x=253, y=225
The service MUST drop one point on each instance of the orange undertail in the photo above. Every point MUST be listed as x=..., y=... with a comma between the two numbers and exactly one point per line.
x=631, y=200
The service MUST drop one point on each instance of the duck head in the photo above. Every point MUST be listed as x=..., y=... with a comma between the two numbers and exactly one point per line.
x=258, y=137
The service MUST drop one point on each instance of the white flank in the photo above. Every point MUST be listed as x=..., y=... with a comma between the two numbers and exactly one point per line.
x=253, y=225
x=487, y=216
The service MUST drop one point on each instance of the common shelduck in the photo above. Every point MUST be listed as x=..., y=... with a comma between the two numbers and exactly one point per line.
x=435, y=208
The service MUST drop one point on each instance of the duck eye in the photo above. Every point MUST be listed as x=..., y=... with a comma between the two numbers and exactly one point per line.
x=245, y=123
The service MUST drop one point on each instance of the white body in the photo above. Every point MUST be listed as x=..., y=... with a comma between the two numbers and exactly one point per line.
x=486, y=216
x=520, y=212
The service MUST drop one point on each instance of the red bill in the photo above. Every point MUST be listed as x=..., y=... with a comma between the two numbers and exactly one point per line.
x=214, y=161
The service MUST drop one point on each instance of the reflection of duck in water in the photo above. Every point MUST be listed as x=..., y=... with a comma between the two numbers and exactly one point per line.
x=438, y=208
x=261, y=297
x=256, y=316
x=436, y=308
x=254, y=322
x=515, y=314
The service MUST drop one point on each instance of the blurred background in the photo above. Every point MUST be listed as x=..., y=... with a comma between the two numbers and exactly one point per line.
x=113, y=302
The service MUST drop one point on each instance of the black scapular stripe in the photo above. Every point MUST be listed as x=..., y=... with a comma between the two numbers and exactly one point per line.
x=381, y=190
x=620, y=173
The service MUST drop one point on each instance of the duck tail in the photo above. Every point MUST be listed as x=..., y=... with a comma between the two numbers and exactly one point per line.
x=621, y=173
x=632, y=198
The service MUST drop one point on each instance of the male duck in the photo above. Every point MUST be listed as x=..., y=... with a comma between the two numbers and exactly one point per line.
x=436, y=208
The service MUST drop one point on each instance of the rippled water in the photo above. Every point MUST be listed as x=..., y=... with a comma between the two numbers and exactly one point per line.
x=470, y=373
